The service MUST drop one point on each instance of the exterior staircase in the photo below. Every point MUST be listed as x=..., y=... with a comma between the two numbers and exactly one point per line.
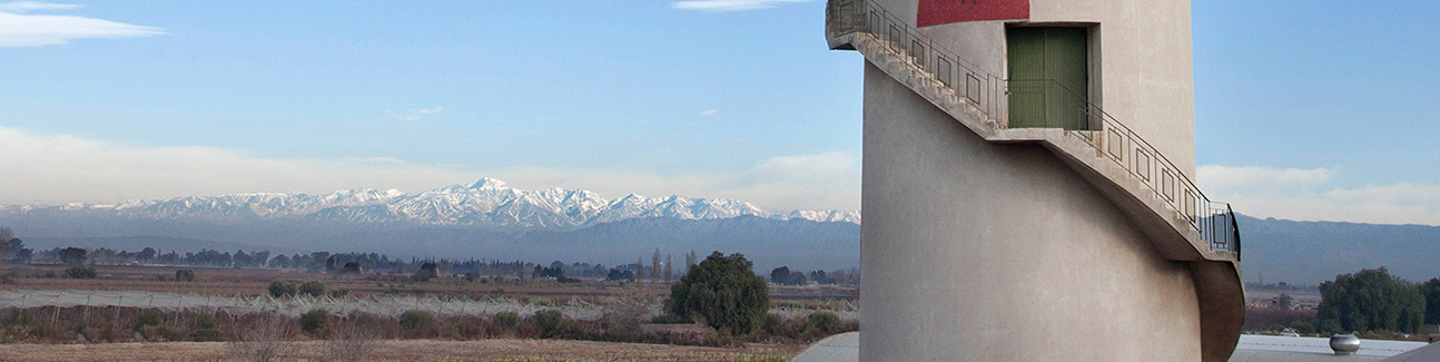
x=1175, y=215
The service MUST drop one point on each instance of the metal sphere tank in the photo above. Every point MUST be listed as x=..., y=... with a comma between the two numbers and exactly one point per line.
x=1344, y=343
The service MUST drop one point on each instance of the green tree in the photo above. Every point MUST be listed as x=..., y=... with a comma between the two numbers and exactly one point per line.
x=72, y=256
x=1371, y=299
x=1284, y=301
x=280, y=288
x=724, y=292
x=1431, y=290
x=780, y=275
x=427, y=271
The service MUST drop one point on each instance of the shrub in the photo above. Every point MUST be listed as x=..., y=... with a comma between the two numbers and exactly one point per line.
x=338, y=293
x=207, y=335
x=18, y=317
x=161, y=333
x=313, y=288
x=206, y=321
x=822, y=323
x=184, y=275
x=542, y=301
x=773, y=323
x=506, y=320
x=367, y=320
x=314, y=321
x=80, y=272
x=552, y=323
x=670, y=319
x=280, y=288
x=148, y=318
x=415, y=318
x=724, y=291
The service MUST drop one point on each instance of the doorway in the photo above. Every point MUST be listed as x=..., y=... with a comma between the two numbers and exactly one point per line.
x=1049, y=77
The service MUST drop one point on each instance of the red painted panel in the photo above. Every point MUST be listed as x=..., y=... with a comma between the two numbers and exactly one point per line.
x=936, y=12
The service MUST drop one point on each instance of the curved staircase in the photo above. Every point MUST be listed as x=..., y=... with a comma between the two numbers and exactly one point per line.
x=1177, y=218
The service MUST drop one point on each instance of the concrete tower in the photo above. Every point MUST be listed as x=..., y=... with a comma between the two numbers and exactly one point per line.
x=1027, y=184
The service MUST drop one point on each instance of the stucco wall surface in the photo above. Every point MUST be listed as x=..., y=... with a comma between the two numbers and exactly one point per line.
x=991, y=252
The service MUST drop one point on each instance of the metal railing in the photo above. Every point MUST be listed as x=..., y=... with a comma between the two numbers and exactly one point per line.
x=963, y=79
x=958, y=78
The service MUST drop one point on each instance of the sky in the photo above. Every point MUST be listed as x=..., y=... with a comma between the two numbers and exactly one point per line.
x=1316, y=110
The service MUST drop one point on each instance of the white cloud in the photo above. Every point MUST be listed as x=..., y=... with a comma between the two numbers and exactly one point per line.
x=730, y=5
x=28, y=6
x=20, y=29
x=412, y=115
x=59, y=169
x=709, y=112
x=1300, y=194
x=1253, y=177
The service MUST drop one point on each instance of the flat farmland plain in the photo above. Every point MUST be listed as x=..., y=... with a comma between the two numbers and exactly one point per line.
x=230, y=281
x=409, y=350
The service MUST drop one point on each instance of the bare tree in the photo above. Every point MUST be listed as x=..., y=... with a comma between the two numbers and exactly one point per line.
x=640, y=269
x=263, y=337
x=628, y=311
x=669, y=274
x=655, y=265
x=351, y=342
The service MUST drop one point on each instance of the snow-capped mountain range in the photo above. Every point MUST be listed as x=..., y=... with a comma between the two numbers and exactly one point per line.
x=487, y=202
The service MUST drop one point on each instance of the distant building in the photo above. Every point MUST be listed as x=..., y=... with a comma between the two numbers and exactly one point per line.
x=1027, y=184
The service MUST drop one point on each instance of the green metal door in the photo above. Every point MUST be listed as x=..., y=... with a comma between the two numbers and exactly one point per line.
x=1049, y=77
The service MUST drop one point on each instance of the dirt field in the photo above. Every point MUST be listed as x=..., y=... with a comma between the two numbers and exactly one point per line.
x=487, y=350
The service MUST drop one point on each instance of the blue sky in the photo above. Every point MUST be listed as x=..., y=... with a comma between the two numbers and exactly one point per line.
x=1319, y=110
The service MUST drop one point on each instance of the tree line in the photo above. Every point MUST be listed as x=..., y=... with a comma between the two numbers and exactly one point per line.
x=1373, y=300
x=784, y=276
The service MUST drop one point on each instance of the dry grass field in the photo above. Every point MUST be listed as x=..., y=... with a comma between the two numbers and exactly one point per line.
x=254, y=281
x=104, y=339
x=409, y=350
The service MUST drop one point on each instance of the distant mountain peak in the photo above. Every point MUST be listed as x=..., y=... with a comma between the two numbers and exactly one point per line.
x=489, y=184
x=487, y=202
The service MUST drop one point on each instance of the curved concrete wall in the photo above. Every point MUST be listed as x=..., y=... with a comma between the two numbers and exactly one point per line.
x=981, y=251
